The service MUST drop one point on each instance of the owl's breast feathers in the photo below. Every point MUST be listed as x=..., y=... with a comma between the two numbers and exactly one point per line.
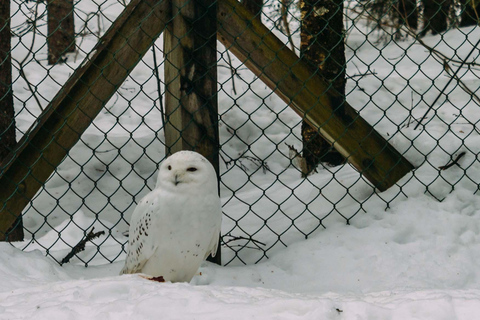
x=171, y=234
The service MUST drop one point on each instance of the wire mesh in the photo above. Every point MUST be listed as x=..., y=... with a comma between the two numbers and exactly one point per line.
x=407, y=66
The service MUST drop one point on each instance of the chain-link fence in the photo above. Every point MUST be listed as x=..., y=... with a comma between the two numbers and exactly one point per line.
x=408, y=68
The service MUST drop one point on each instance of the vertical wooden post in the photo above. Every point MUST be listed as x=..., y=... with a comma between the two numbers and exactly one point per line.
x=7, y=112
x=191, y=81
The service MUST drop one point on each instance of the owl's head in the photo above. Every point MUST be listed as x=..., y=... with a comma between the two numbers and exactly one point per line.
x=188, y=172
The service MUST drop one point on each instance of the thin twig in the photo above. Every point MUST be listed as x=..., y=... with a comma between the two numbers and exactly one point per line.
x=24, y=77
x=285, y=23
x=99, y=24
x=257, y=161
x=474, y=5
x=233, y=72
x=468, y=122
x=81, y=245
x=454, y=76
x=464, y=86
x=83, y=33
x=454, y=162
x=237, y=238
x=411, y=108
x=361, y=75
x=157, y=76
x=440, y=58
x=30, y=50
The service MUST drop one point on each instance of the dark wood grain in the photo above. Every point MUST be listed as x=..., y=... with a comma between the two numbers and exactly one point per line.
x=191, y=105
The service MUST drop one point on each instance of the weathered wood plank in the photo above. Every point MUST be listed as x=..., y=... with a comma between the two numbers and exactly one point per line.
x=190, y=45
x=310, y=96
x=72, y=110
x=191, y=79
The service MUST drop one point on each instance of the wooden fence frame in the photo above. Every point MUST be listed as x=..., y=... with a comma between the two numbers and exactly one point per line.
x=83, y=96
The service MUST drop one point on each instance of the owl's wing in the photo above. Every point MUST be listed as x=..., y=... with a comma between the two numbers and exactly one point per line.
x=212, y=248
x=213, y=245
x=141, y=245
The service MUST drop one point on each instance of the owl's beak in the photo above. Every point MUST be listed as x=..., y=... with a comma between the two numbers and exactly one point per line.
x=176, y=180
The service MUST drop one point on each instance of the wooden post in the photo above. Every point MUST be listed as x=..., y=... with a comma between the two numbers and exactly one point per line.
x=7, y=112
x=191, y=81
x=309, y=95
x=24, y=171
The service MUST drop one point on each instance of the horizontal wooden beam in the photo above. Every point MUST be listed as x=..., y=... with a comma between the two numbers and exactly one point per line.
x=75, y=106
x=309, y=95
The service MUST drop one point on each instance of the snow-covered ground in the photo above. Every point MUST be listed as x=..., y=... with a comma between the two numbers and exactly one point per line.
x=417, y=261
x=403, y=255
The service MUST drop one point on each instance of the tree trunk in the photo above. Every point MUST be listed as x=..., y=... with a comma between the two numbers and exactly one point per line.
x=61, y=29
x=435, y=15
x=7, y=113
x=408, y=12
x=255, y=7
x=469, y=17
x=322, y=44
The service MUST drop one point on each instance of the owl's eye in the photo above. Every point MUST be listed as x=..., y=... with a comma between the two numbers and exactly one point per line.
x=169, y=167
x=192, y=169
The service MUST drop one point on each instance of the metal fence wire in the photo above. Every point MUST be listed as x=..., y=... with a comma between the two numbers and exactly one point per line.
x=407, y=68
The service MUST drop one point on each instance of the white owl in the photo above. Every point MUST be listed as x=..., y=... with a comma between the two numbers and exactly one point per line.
x=177, y=225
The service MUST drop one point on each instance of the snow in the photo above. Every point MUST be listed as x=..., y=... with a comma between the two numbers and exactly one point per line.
x=411, y=252
x=417, y=262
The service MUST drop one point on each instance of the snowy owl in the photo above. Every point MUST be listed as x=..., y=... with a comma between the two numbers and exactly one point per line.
x=177, y=225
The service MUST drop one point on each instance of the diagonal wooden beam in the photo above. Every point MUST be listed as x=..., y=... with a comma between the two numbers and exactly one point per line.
x=75, y=106
x=305, y=92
